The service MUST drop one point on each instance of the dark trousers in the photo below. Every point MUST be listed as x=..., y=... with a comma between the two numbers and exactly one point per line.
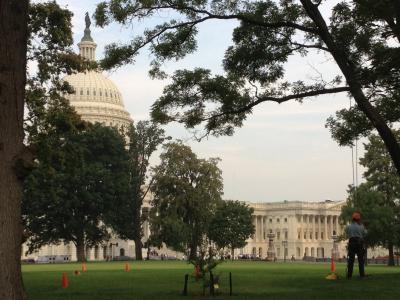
x=355, y=247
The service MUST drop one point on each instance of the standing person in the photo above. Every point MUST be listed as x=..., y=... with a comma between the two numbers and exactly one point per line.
x=356, y=233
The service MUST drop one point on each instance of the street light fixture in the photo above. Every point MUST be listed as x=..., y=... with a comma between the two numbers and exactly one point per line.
x=284, y=243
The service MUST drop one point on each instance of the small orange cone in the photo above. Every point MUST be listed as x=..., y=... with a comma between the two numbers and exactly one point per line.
x=333, y=265
x=64, y=281
x=332, y=275
x=127, y=267
x=84, y=267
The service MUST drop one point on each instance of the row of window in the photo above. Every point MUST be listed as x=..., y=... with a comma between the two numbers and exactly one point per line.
x=278, y=234
x=310, y=235
x=278, y=220
x=307, y=219
x=106, y=93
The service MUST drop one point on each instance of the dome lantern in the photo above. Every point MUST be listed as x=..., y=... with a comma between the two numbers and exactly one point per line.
x=87, y=46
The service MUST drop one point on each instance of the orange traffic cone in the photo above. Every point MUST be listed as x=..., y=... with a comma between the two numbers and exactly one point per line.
x=333, y=265
x=127, y=267
x=84, y=267
x=332, y=275
x=64, y=281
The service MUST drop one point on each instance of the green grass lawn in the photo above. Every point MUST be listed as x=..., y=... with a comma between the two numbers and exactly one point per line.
x=251, y=280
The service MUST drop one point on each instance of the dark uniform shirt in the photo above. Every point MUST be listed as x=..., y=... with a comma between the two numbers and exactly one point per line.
x=355, y=230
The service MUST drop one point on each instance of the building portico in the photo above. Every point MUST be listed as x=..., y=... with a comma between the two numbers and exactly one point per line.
x=301, y=229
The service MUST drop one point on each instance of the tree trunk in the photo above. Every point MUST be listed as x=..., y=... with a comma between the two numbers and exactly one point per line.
x=80, y=251
x=232, y=253
x=137, y=223
x=391, y=254
x=138, y=248
x=349, y=71
x=193, y=252
x=13, y=48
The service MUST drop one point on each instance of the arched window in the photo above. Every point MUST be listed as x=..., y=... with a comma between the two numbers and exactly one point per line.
x=122, y=252
x=312, y=252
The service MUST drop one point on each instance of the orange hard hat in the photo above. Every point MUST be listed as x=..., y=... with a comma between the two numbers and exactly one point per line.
x=356, y=216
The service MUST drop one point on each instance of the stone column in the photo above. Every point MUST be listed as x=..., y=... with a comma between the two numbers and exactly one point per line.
x=313, y=227
x=301, y=227
x=326, y=228
x=255, y=228
x=333, y=225
x=262, y=229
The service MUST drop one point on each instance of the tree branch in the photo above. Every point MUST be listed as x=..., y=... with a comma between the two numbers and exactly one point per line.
x=280, y=100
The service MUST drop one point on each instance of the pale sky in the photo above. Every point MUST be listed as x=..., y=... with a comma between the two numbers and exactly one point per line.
x=283, y=152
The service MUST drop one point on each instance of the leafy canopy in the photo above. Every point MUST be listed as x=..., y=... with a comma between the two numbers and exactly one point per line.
x=231, y=225
x=186, y=192
x=81, y=176
x=144, y=138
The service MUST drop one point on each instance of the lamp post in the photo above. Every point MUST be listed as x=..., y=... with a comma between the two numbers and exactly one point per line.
x=335, y=249
x=271, y=248
x=112, y=250
x=284, y=244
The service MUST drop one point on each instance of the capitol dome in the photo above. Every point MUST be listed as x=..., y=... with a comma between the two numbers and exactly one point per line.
x=96, y=98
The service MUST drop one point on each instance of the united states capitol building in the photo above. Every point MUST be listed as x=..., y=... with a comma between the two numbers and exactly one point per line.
x=292, y=229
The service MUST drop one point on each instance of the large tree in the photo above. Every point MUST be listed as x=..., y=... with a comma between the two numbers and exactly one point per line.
x=186, y=191
x=13, y=47
x=231, y=225
x=81, y=177
x=362, y=37
x=144, y=139
x=40, y=33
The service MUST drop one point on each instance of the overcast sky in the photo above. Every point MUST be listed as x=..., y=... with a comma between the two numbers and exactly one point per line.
x=283, y=152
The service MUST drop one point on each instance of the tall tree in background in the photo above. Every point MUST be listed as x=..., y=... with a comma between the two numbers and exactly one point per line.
x=186, y=192
x=361, y=36
x=380, y=172
x=378, y=198
x=379, y=215
x=144, y=139
x=231, y=225
x=82, y=175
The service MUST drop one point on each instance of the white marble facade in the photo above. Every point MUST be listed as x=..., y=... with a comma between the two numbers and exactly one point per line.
x=302, y=229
